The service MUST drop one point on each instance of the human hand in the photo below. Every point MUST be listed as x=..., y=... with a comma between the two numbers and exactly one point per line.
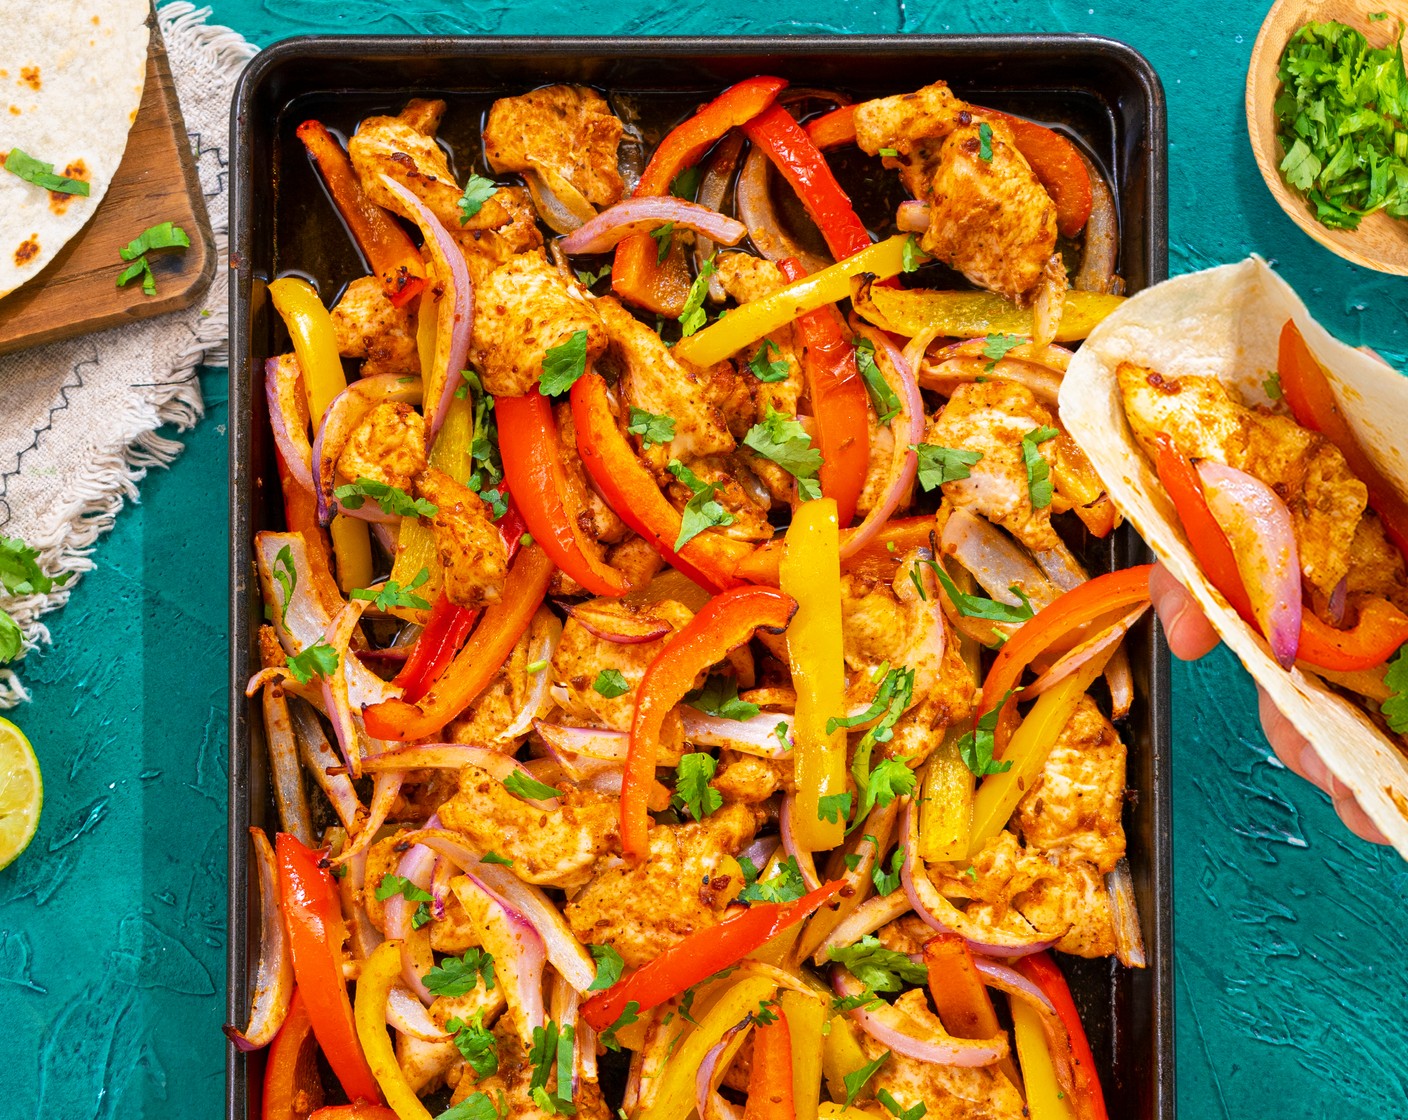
x=1191, y=636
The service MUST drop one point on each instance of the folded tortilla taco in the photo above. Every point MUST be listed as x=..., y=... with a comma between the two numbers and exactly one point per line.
x=1265, y=464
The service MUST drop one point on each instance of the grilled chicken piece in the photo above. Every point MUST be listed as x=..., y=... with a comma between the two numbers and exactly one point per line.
x=747, y=505
x=388, y=446
x=992, y=417
x=653, y=380
x=746, y=778
x=523, y=309
x=990, y=217
x=566, y=131
x=581, y=657
x=368, y=327
x=425, y=1064
x=684, y=885
x=510, y=1086
x=558, y=849
x=947, y=1092
x=1208, y=421
x=1375, y=565
x=494, y=710
x=598, y=521
x=469, y=544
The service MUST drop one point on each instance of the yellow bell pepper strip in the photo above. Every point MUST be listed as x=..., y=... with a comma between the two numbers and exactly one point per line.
x=830, y=1110
x=1041, y=970
x=946, y=811
x=315, y=345
x=806, y=1017
x=913, y=311
x=841, y=1055
x=998, y=794
x=674, y=1100
x=810, y=571
x=726, y=622
x=1046, y=1100
x=745, y=325
x=381, y=973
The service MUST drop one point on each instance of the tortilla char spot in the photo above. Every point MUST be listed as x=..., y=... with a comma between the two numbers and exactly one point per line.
x=58, y=200
x=1399, y=801
x=28, y=250
x=15, y=109
x=29, y=75
x=96, y=21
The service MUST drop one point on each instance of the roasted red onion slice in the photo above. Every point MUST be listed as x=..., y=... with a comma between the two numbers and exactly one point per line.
x=868, y=917
x=617, y=622
x=890, y=1027
x=713, y=189
x=805, y=863
x=754, y=200
x=405, y=1013
x=558, y=202
x=756, y=735
x=416, y=866
x=385, y=789
x=273, y=982
x=588, y=742
x=912, y=216
x=642, y=215
x=319, y=758
x=1017, y=986
x=282, y=748
x=288, y=417
x=863, y=848
x=566, y=1010
x=362, y=936
x=707, y=1101
x=1124, y=915
x=995, y=560
x=455, y=308
x=451, y=756
x=346, y=411
x=1102, y=237
x=542, y=647
x=334, y=686
x=517, y=948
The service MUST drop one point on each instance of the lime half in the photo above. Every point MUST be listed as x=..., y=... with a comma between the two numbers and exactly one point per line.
x=21, y=792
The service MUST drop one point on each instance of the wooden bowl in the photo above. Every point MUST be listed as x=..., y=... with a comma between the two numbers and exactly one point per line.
x=1380, y=242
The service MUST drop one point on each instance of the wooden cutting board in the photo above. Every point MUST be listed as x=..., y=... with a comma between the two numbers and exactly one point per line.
x=156, y=182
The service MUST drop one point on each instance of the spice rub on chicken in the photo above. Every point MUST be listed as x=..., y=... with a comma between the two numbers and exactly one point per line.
x=563, y=133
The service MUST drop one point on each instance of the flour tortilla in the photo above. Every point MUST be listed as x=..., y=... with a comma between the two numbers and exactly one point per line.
x=1226, y=323
x=71, y=77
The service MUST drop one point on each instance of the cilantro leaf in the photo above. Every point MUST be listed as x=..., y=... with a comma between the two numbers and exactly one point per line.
x=608, y=967
x=975, y=606
x=1395, y=708
x=563, y=364
x=686, y=184
x=652, y=427
x=11, y=638
x=610, y=683
x=702, y=511
x=286, y=576
x=997, y=346
x=694, y=316
x=476, y=1044
x=985, y=142
x=878, y=968
x=1038, y=469
x=911, y=255
x=587, y=278
x=139, y=267
x=765, y=1014
x=890, y=778
x=938, y=465
x=317, y=660
x=1271, y=386
x=484, y=443
x=41, y=174
x=391, y=595
x=856, y=1082
x=783, y=440
x=834, y=807
x=458, y=976
x=914, y=1112
x=719, y=697
x=887, y=882
x=765, y=370
x=477, y=192
x=521, y=785
x=477, y=1106
x=392, y=885
x=664, y=237
x=494, y=857
x=975, y=747
x=884, y=398
x=842, y=1004
x=552, y=1052
x=164, y=236
x=422, y=916
x=391, y=499
x=628, y=1016
x=692, y=786
x=783, y=885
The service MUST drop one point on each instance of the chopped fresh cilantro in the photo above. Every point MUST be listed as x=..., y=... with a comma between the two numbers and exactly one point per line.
x=834, y=807
x=887, y=882
x=852, y=860
x=780, y=731
x=878, y=968
x=536, y=666
x=884, y=398
x=587, y=278
x=422, y=916
x=494, y=857
x=1395, y=708
x=286, y=576
x=317, y=660
x=628, y=1016
x=477, y=192
x=392, y=885
x=784, y=885
x=551, y=1053
x=475, y=1043
x=495, y=500
x=1271, y=386
x=889, y=779
x=985, y=142
x=686, y=184
x=768, y=371
x=976, y=606
x=611, y=684
x=998, y=346
x=702, y=511
x=687, y=1000
x=608, y=967
x=477, y=1106
x=167, y=235
x=392, y=594
x=975, y=747
x=521, y=785
x=856, y=1082
x=692, y=788
x=41, y=174
x=842, y=1004
x=765, y=1013
x=914, y=1112
x=458, y=976
x=891, y=153
x=719, y=697
x=970, y=873
x=1038, y=469
x=563, y=364
x=664, y=237
x=652, y=427
x=694, y=316
x=783, y=440
x=391, y=499
x=911, y=256
x=938, y=465
x=484, y=443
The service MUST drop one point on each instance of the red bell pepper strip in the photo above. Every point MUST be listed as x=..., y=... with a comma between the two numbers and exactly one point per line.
x=834, y=129
x=388, y=250
x=449, y=625
x=1381, y=629
x=839, y=402
x=533, y=470
x=722, y=624
x=1042, y=971
x=301, y=516
x=359, y=1111
x=1080, y=605
x=629, y=489
x=292, y=1087
x=700, y=954
x=770, y=1090
x=313, y=916
x=1307, y=390
x=792, y=152
x=636, y=275
x=475, y=665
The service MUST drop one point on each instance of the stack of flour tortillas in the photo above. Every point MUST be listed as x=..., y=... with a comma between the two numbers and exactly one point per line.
x=71, y=76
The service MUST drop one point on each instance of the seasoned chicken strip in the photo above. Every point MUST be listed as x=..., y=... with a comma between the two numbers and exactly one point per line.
x=368, y=327
x=1208, y=421
x=565, y=130
x=494, y=710
x=469, y=544
x=388, y=446
x=522, y=310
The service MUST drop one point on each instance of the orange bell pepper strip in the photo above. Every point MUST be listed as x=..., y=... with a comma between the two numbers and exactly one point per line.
x=636, y=275
x=1083, y=604
x=834, y=129
x=722, y=624
x=960, y=996
x=359, y=1111
x=770, y=1089
x=292, y=1087
x=477, y=663
x=839, y=402
x=1377, y=635
x=388, y=249
x=313, y=916
x=533, y=470
x=630, y=489
x=702, y=953
x=792, y=153
x=1307, y=390
x=1042, y=971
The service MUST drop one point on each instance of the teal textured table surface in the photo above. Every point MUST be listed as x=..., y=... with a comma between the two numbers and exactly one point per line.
x=1290, y=975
